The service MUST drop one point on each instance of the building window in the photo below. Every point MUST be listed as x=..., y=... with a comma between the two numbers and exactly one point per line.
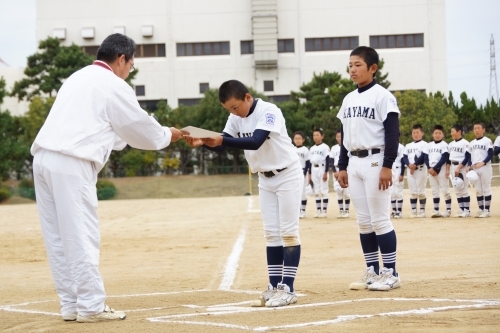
x=268, y=85
x=150, y=50
x=202, y=49
x=90, y=50
x=140, y=90
x=151, y=105
x=397, y=41
x=331, y=43
x=246, y=46
x=203, y=87
x=279, y=98
x=286, y=45
x=189, y=101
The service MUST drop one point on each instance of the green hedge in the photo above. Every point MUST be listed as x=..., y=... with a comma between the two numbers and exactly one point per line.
x=27, y=189
x=105, y=189
x=4, y=193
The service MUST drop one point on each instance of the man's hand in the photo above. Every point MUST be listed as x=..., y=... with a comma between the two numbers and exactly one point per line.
x=342, y=179
x=213, y=142
x=336, y=175
x=432, y=172
x=478, y=165
x=412, y=166
x=401, y=178
x=193, y=142
x=176, y=134
x=447, y=173
x=385, y=179
x=325, y=176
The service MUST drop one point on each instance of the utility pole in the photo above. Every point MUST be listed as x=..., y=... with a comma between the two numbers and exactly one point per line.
x=493, y=72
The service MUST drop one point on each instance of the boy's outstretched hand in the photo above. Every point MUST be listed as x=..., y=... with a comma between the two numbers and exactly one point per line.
x=193, y=142
x=212, y=142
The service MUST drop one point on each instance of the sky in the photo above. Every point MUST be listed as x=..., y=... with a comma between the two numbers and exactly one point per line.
x=469, y=26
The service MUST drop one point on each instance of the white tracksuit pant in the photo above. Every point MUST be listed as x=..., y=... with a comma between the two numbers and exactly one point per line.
x=67, y=204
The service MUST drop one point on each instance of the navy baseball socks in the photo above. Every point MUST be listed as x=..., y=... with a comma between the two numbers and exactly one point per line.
x=274, y=264
x=369, y=244
x=285, y=293
x=389, y=278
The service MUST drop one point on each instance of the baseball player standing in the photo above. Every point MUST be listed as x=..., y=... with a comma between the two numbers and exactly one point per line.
x=481, y=152
x=398, y=176
x=496, y=148
x=95, y=112
x=370, y=138
x=343, y=197
x=459, y=159
x=303, y=152
x=417, y=171
x=436, y=157
x=319, y=157
x=259, y=129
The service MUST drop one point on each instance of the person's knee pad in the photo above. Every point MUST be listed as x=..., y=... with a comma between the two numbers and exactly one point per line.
x=291, y=240
x=273, y=239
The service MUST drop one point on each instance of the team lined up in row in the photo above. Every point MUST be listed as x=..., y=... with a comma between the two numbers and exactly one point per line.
x=436, y=161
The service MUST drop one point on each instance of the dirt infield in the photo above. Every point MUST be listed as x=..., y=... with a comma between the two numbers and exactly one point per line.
x=193, y=265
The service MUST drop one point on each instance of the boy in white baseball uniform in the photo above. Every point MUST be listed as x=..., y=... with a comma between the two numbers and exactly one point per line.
x=481, y=152
x=398, y=176
x=436, y=157
x=343, y=197
x=458, y=160
x=303, y=152
x=319, y=155
x=95, y=112
x=417, y=171
x=370, y=138
x=496, y=148
x=259, y=129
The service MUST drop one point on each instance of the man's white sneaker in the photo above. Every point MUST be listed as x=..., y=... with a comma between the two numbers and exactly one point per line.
x=317, y=214
x=413, y=213
x=398, y=215
x=459, y=213
x=107, y=315
x=302, y=214
x=486, y=213
x=446, y=214
x=341, y=214
x=421, y=214
x=464, y=213
x=70, y=316
x=266, y=295
x=387, y=281
x=436, y=214
x=346, y=214
x=366, y=280
x=478, y=214
x=322, y=215
x=283, y=296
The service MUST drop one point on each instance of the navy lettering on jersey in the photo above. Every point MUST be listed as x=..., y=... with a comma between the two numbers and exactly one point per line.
x=301, y=155
x=435, y=150
x=317, y=152
x=457, y=149
x=482, y=147
x=360, y=112
x=414, y=150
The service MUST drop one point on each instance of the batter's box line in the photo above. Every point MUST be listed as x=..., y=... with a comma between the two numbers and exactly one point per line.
x=339, y=319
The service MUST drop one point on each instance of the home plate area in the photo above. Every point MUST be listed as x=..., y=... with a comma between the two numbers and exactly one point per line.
x=167, y=308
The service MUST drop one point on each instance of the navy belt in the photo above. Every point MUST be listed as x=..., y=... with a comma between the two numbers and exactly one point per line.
x=269, y=174
x=455, y=163
x=364, y=153
x=317, y=165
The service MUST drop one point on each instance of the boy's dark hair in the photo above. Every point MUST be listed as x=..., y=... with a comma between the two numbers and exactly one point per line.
x=480, y=123
x=457, y=127
x=417, y=126
x=439, y=128
x=369, y=55
x=114, y=46
x=338, y=131
x=300, y=133
x=232, y=89
x=319, y=129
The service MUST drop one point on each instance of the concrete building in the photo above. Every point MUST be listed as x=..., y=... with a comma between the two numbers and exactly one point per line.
x=11, y=104
x=186, y=46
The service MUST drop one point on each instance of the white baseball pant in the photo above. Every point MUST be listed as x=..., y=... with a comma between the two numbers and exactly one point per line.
x=440, y=183
x=369, y=202
x=417, y=181
x=342, y=193
x=483, y=185
x=279, y=198
x=464, y=192
x=320, y=186
x=67, y=204
x=304, y=195
x=397, y=186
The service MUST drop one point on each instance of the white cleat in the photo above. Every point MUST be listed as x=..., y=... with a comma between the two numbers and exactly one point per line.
x=421, y=214
x=341, y=214
x=464, y=213
x=486, y=213
x=346, y=214
x=317, y=214
x=283, y=296
x=387, y=281
x=479, y=213
x=446, y=214
x=398, y=215
x=107, y=315
x=459, y=213
x=265, y=296
x=302, y=214
x=366, y=280
x=322, y=215
x=70, y=316
x=413, y=214
x=436, y=214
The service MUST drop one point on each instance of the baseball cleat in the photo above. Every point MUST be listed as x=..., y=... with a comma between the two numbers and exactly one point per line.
x=387, y=281
x=447, y=213
x=459, y=213
x=265, y=296
x=317, y=214
x=478, y=214
x=366, y=280
x=341, y=214
x=436, y=214
x=107, y=315
x=70, y=316
x=302, y=214
x=486, y=213
x=322, y=215
x=413, y=213
x=464, y=213
x=421, y=214
x=346, y=214
x=282, y=297
x=398, y=215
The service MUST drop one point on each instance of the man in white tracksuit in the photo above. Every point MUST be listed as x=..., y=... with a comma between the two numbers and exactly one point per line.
x=95, y=112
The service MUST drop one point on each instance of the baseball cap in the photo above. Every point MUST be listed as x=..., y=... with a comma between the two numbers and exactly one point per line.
x=472, y=176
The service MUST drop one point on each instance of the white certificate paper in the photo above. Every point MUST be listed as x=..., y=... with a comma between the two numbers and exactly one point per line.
x=199, y=133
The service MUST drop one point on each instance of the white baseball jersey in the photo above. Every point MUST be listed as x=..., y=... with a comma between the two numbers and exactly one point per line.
x=457, y=149
x=335, y=154
x=319, y=153
x=303, y=154
x=497, y=143
x=397, y=162
x=277, y=152
x=362, y=116
x=435, y=151
x=479, y=149
x=414, y=149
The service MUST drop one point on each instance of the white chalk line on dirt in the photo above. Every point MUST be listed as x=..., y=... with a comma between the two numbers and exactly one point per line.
x=339, y=319
x=232, y=263
x=250, y=208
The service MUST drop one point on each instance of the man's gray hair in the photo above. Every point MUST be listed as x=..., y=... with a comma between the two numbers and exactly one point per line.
x=114, y=46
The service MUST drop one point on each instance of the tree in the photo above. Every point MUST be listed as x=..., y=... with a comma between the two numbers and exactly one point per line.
x=46, y=69
x=13, y=150
x=3, y=91
x=492, y=116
